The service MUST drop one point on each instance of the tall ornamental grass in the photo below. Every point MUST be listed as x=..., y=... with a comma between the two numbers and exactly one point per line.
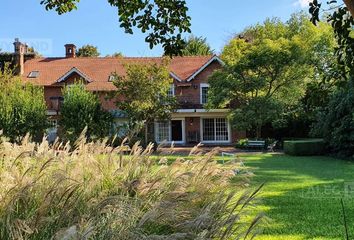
x=94, y=191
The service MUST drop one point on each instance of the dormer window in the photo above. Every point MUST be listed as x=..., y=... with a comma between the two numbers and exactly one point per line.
x=111, y=78
x=33, y=74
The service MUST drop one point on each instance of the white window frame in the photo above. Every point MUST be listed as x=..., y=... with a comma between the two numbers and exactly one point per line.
x=215, y=141
x=53, y=126
x=33, y=74
x=202, y=85
x=172, y=87
x=156, y=131
x=111, y=78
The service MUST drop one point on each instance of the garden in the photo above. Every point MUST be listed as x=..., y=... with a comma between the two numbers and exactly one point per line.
x=286, y=84
x=93, y=191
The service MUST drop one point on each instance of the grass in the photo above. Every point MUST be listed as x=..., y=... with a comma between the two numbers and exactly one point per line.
x=94, y=191
x=302, y=196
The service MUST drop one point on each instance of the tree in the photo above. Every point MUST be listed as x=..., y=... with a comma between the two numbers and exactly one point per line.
x=268, y=77
x=164, y=22
x=267, y=70
x=87, y=51
x=33, y=51
x=23, y=109
x=197, y=46
x=144, y=93
x=335, y=121
x=342, y=21
x=116, y=55
x=81, y=109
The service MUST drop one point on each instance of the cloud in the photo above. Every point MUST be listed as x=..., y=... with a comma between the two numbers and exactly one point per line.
x=302, y=3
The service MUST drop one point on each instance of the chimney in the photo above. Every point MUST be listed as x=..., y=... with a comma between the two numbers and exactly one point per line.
x=20, y=51
x=70, y=51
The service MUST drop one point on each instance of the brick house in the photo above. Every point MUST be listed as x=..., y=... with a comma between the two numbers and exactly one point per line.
x=190, y=124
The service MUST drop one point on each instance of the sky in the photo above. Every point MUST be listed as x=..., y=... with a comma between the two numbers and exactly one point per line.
x=96, y=23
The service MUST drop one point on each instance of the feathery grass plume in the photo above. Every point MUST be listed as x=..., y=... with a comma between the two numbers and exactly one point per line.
x=96, y=191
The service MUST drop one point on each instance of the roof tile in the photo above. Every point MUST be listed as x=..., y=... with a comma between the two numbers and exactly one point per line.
x=99, y=69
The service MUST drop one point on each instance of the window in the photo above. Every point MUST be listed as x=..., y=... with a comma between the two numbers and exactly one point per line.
x=204, y=93
x=208, y=129
x=170, y=131
x=53, y=123
x=162, y=131
x=33, y=74
x=215, y=130
x=111, y=78
x=171, y=91
x=120, y=128
x=221, y=129
x=53, y=126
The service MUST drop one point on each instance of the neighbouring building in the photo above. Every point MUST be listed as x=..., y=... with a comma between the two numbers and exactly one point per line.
x=190, y=124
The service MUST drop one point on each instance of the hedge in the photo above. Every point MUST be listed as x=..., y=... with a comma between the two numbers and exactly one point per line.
x=304, y=147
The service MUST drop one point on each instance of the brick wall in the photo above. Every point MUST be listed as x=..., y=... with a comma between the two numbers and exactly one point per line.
x=190, y=95
x=56, y=91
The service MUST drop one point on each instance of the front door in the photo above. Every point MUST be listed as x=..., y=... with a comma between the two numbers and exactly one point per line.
x=176, y=130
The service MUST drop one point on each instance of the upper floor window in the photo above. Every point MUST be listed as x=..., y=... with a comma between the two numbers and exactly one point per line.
x=111, y=78
x=33, y=74
x=171, y=91
x=204, y=88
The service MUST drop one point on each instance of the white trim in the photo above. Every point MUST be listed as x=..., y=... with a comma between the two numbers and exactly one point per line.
x=216, y=142
x=202, y=110
x=74, y=70
x=214, y=58
x=172, y=74
x=52, y=113
x=172, y=86
x=170, y=131
x=202, y=85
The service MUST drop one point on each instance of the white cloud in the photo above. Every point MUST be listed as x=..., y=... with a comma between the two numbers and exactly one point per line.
x=302, y=3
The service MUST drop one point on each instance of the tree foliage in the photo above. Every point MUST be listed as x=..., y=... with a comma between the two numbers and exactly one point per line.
x=164, y=21
x=81, y=109
x=342, y=21
x=335, y=120
x=336, y=123
x=144, y=92
x=87, y=51
x=197, y=46
x=23, y=109
x=267, y=69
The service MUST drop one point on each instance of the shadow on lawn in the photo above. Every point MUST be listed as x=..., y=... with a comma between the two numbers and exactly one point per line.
x=302, y=195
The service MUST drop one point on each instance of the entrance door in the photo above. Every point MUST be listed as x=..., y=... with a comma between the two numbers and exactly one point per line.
x=176, y=130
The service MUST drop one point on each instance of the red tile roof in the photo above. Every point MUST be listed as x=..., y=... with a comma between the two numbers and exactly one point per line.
x=98, y=70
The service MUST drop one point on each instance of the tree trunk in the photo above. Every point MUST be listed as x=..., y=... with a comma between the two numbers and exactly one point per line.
x=350, y=6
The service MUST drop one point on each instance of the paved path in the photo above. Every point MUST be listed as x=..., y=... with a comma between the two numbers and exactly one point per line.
x=186, y=150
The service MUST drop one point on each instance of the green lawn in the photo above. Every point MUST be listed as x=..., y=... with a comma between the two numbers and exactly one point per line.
x=302, y=196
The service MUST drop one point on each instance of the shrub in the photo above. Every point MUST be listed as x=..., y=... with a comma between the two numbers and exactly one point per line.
x=22, y=108
x=242, y=143
x=82, y=109
x=95, y=191
x=304, y=147
x=335, y=123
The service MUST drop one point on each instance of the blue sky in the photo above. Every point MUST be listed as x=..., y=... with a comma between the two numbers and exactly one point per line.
x=96, y=22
